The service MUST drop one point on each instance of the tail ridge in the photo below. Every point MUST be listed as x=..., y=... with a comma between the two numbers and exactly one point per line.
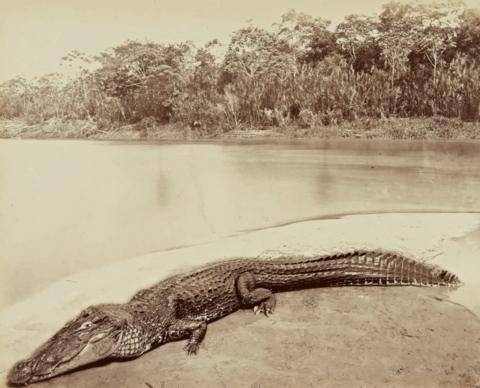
x=390, y=268
x=357, y=267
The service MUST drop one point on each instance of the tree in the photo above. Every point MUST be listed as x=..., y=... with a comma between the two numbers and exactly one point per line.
x=14, y=97
x=356, y=36
x=308, y=37
x=397, y=32
x=257, y=63
x=436, y=31
x=468, y=34
x=200, y=102
x=145, y=79
x=255, y=53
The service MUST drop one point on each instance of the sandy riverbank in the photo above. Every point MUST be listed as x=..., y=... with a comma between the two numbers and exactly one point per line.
x=321, y=337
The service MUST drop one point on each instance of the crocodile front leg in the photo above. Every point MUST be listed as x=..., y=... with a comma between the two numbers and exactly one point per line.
x=193, y=329
x=262, y=299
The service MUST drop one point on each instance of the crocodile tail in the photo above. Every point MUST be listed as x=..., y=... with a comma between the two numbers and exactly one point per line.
x=355, y=268
x=388, y=268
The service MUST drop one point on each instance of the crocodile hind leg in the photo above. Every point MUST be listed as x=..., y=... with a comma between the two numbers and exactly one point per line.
x=261, y=299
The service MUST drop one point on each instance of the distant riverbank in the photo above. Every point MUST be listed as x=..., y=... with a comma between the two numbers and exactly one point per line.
x=432, y=128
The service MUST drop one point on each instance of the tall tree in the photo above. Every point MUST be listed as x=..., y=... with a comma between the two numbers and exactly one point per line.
x=308, y=37
x=356, y=36
x=146, y=78
x=437, y=30
x=258, y=63
x=468, y=36
x=397, y=33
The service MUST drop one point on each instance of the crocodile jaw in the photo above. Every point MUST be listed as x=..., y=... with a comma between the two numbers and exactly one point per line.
x=32, y=370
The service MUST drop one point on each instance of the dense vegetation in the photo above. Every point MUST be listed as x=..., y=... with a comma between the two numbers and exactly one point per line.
x=411, y=60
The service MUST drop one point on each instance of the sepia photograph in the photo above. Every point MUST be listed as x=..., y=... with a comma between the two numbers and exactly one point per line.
x=246, y=194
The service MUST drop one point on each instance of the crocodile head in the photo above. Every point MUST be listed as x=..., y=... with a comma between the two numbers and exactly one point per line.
x=94, y=335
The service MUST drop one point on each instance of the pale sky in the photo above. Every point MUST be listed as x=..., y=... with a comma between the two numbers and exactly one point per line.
x=35, y=34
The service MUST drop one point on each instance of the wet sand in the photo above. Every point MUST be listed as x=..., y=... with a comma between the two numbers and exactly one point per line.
x=400, y=336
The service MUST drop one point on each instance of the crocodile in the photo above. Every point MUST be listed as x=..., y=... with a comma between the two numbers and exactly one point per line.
x=180, y=306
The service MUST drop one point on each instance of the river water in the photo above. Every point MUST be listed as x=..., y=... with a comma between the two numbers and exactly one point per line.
x=66, y=206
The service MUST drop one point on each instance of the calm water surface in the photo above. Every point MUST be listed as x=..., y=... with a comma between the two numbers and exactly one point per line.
x=68, y=202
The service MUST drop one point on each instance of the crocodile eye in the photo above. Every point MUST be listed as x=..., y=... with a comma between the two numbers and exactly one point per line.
x=85, y=325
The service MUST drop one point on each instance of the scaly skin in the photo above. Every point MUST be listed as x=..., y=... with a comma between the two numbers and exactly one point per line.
x=181, y=306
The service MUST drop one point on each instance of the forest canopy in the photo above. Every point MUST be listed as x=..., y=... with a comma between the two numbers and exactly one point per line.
x=411, y=60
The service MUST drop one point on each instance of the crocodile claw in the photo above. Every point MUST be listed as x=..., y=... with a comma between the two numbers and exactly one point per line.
x=267, y=307
x=191, y=348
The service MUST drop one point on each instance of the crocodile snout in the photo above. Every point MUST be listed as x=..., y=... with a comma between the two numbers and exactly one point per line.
x=20, y=373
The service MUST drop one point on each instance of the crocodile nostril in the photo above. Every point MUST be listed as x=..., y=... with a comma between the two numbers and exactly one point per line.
x=23, y=366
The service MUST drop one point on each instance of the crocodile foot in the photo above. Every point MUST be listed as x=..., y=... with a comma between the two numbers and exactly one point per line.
x=266, y=307
x=191, y=348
